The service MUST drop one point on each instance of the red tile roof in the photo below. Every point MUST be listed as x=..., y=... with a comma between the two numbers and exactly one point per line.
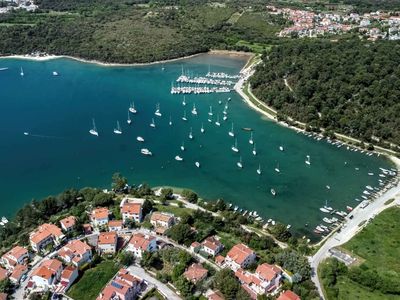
x=67, y=273
x=115, y=223
x=68, y=222
x=16, y=252
x=239, y=253
x=131, y=208
x=268, y=272
x=106, y=238
x=45, y=231
x=3, y=274
x=47, y=269
x=3, y=296
x=195, y=272
x=219, y=259
x=141, y=241
x=100, y=213
x=158, y=216
x=212, y=243
x=217, y=295
x=19, y=270
x=288, y=295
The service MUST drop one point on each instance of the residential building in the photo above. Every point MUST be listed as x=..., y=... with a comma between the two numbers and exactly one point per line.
x=68, y=276
x=99, y=216
x=265, y=280
x=140, y=243
x=17, y=255
x=124, y=286
x=240, y=256
x=195, y=247
x=44, y=235
x=288, y=295
x=17, y=273
x=3, y=296
x=75, y=252
x=68, y=223
x=3, y=274
x=215, y=295
x=115, y=225
x=87, y=229
x=212, y=246
x=107, y=242
x=47, y=274
x=195, y=273
x=220, y=260
x=162, y=221
x=132, y=211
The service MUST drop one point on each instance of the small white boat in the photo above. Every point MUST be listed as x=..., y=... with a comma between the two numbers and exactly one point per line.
x=118, y=129
x=234, y=147
x=251, y=142
x=191, y=134
x=308, y=161
x=324, y=210
x=254, y=150
x=281, y=148
x=225, y=117
x=26, y=133
x=277, y=168
x=371, y=174
x=217, y=122
x=184, y=116
x=55, y=73
x=327, y=220
x=231, y=132
x=157, y=112
x=4, y=220
x=239, y=163
x=93, y=131
x=327, y=207
x=129, y=121
x=209, y=120
x=219, y=102
x=145, y=151
x=328, y=187
x=152, y=124
x=178, y=158
x=140, y=139
x=194, y=110
x=170, y=121
x=184, y=101
x=273, y=192
x=197, y=164
x=288, y=226
x=22, y=72
x=259, y=170
x=210, y=113
x=183, y=146
x=202, y=128
x=132, y=108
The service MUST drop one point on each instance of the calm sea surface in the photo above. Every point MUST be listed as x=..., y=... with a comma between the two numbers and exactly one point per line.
x=60, y=153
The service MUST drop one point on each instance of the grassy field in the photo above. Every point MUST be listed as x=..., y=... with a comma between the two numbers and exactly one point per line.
x=177, y=211
x=93, y=281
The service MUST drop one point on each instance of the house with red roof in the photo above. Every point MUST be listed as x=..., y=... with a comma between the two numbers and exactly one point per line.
x=107, y=242
x=162, y=221
x=17, y=255
x=75, y=252
x=288, y=295
x=45, y=235
x=131, y=209
x=215, y=295
x=3, y=274
x=124, y=286
x=17, y=273
x=3, y=296
x=68, y=276
x=265, y=280
x=115, y=225
x=100, y=216
x=46, y=275
x=212, y=246
x=195, y=273
x=140, y=243
x=68, y=223
x=240, y=256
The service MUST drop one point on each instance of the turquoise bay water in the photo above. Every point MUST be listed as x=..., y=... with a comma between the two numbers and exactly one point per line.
x=59, y=153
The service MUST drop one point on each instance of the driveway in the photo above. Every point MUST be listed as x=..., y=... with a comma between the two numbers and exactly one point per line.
x=163, y=288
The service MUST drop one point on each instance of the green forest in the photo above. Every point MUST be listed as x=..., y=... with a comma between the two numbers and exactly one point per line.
x=349, y=86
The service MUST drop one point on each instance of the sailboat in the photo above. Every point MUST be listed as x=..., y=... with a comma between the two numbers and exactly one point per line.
x=129, y=121
x=118, y=129
x=225, y=117
x=152, y=124
x=277, y=168
x=209, y=120
x=93, y=131
x=217, y=122
x=210, y=113
x=202, y=128
x=254, y=150
x=132, y=108
x=140, y=139
x=281, y=148
x=184, y=101
x=184, y=116
x=231, y=133
x=191, y=134
x=158, y=113
x=307, y=161
x=273, y=192
x=194, y=110
x=234, y=147
x=239, y=163
x=178, y=158
x=170, y=121
x=55, y=73
x=251, y=139
x=22, y=72
x=259, y=170
x=183, y=146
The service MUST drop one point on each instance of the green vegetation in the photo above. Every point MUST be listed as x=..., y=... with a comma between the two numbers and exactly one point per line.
x=93, y=281
x=349, y=86
x=362, y=6
x=377, y=277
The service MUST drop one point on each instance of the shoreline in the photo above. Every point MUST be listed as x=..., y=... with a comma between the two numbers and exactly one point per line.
x=49, y=57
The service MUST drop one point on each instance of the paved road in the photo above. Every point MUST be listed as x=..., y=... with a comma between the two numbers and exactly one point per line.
x=171, y=295
x=351, y=228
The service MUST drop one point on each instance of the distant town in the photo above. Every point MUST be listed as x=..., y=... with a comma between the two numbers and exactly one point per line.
x=9, y=5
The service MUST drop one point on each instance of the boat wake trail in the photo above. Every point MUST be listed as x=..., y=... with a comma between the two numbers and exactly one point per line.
x=44, y=136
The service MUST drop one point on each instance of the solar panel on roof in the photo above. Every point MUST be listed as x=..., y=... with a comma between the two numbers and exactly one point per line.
x=115, y=284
